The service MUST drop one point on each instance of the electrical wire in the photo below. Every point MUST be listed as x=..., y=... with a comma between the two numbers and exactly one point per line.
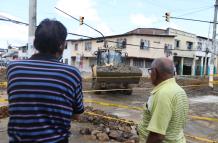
x=19, y=22
x=191, y=9
x=13, y=21
x=196, y=11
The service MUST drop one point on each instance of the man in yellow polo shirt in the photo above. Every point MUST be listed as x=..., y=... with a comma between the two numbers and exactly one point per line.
x=165, y=113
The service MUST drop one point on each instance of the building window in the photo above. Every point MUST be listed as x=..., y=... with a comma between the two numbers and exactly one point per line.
x=138, y=63
x=144, y=44
x=177, y=43
x=105, y=44
x=124, y=43
x=88, y=46
x=23, y=49
x=76, y=47
x=126, y=61
x=168, y=50
x=66, y=61
x=189, y=45
x=148, y=63
x=121, y=43
x=199, y=46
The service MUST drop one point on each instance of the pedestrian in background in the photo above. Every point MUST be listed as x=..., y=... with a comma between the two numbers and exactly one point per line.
x=166, y=110
x=44, y=94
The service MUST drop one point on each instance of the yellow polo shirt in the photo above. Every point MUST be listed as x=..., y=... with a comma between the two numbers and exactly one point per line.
x=165, y=112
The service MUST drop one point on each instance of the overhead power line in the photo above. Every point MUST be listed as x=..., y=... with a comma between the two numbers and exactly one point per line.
x=190, y=9
x=196, y=11
x=81, y=35
x=13, y=21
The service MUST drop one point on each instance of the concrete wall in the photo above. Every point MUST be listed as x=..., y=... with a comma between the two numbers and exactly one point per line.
x=183, y=37
x=152, y=52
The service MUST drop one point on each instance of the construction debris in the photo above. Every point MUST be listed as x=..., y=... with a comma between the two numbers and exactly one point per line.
x=120, y=68
x=109, y=130
x=4, y=112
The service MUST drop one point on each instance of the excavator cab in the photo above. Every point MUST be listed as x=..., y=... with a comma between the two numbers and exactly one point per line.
x=110, y=57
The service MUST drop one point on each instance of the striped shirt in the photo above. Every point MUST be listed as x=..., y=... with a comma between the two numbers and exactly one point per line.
x=44, y=94
x=165, y=112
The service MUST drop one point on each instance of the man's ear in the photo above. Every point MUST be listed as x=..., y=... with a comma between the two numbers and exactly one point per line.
x=155, y=74
x=62, y=47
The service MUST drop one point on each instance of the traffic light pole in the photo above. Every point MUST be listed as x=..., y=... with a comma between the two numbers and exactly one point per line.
x=79, y=21
x=213, y=57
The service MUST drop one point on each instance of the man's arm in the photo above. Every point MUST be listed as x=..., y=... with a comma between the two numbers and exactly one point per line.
x=78, y=107
x=161, y=116
x=155, y=138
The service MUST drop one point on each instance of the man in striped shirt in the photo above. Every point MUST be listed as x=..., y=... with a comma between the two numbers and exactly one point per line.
x=166, y=111
x=44, y=94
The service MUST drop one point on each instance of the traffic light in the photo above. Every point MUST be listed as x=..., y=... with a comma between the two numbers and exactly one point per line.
x=167, y=16
x=81, y=18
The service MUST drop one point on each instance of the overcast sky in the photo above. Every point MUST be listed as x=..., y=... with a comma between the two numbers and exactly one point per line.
x=108, y=16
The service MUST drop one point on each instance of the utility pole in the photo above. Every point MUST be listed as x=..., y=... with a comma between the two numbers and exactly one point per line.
x=32, y=26
x=213, y=54
x=205, y=64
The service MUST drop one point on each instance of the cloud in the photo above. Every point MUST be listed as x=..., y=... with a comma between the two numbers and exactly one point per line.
x=6, y=16
x=172, y=25
x=113, y=2
x=79, y=8
x=141, y=20
x=86, y=8
x=11, y=33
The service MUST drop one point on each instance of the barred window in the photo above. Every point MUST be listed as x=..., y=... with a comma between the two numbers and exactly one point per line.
x=88, y=46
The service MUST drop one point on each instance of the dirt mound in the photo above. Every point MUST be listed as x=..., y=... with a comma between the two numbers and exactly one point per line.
x=119, y=69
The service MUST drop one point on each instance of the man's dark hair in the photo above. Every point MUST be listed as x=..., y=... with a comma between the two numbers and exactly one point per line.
x=49, y=36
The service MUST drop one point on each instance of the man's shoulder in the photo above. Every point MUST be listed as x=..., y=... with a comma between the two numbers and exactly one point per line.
x=171, y=91
x=174, y=87
x=15, y=62
x=71, y=69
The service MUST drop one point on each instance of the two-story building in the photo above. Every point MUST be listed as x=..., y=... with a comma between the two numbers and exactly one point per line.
x=189, y=52
x=184, y=51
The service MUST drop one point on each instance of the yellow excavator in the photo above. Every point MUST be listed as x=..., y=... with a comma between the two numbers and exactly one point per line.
x=112, y=72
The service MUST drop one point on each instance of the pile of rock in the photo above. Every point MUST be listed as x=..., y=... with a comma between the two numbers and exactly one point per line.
x=119, y=68
x=2, y=74
x=3, y=112
x=106, y=129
